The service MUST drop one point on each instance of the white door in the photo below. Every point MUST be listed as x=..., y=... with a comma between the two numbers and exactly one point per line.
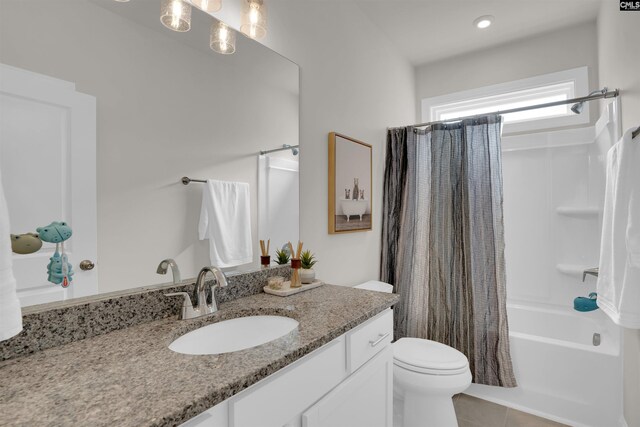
x=364, y=399
x=47, y=161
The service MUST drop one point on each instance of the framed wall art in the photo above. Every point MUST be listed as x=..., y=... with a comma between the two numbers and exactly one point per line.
x=350, y=179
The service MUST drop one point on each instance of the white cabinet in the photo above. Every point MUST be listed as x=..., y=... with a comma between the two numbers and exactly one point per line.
x=281, y=397
x=347, y=382
x=364, y=399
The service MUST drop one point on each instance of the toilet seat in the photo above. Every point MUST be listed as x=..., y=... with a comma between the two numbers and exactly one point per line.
x=428, y=357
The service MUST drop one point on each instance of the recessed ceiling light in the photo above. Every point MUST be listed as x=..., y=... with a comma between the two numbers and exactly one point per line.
x=483, y=22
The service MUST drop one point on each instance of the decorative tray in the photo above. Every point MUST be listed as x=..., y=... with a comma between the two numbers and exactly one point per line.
x=288, y=290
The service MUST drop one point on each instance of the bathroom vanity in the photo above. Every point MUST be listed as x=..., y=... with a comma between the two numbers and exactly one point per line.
x=346, y=382
x=109, y=362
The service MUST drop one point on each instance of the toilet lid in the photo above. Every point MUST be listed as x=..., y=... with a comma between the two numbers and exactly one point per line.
x=428, y=357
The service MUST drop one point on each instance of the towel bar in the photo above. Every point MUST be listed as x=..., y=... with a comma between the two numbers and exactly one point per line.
x=186, y=180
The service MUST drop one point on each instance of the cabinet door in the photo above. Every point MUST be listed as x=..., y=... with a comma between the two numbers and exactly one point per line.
x=364, y=399
x=279, y=400
x=217, y=416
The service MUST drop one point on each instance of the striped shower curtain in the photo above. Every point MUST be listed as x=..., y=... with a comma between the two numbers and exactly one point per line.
x=443, y=241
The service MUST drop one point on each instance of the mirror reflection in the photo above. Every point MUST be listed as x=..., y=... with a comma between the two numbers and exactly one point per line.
x=103, y=111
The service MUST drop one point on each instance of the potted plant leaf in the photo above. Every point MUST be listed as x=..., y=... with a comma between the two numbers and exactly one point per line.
x=307, y=261
x=282, y=256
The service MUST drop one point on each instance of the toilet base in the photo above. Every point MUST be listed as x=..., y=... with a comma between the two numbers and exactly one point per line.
x=422, y=400
x=416, y=411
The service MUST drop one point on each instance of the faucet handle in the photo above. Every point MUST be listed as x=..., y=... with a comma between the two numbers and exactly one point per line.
x=187, y=305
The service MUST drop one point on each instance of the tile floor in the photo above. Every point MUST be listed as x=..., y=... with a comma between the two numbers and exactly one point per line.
x=474, y=412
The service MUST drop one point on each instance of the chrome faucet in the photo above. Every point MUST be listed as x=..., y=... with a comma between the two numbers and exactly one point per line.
x=163, y=267
x=201, y=289
x=202, y=309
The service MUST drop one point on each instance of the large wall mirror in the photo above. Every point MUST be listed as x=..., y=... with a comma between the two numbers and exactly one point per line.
x=103, y=110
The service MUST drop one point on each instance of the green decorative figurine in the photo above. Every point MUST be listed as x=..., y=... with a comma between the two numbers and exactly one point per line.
x=59, y=268
x=26, y=243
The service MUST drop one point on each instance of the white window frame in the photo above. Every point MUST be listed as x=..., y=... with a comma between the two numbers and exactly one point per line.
x=572, y=83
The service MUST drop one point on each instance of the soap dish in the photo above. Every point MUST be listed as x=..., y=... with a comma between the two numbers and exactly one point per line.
x=288, y=290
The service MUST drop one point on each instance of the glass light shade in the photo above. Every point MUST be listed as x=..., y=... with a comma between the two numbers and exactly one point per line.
x=175, y=15
x=254, y=19
x=223, y=38
x=122, y=1
x=208, y=5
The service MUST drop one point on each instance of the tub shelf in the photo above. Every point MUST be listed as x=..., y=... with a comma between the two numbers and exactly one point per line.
x=578, y=211
x=572, y=269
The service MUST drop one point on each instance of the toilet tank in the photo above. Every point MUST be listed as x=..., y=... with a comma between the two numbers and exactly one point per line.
x=375, y=285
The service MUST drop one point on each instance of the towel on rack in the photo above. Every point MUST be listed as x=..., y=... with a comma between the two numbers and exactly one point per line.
x=10, y=314
x=619, y=276
x=225, y=219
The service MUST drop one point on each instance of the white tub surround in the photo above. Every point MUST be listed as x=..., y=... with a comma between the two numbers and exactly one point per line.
x=568, y=364
x=561, y=374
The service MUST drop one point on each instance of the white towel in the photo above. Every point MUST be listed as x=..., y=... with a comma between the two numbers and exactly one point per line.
x=10, y=314
x=225, y=219
x=619, y=276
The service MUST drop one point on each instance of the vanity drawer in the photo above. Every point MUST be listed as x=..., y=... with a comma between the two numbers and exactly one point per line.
x=278, y=399
x=368, y=339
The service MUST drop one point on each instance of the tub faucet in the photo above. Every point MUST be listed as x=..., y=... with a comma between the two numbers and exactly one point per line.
x=163, y=267
x=202, y=309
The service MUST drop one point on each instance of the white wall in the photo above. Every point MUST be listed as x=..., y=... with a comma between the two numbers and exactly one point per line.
x=352, y=81
x=550, y=52
x=164, y=110
x=619, y=62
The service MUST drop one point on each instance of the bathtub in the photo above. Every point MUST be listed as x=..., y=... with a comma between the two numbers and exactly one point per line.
x=561, y=374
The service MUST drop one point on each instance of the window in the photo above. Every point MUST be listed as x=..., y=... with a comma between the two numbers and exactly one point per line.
x=537, y=90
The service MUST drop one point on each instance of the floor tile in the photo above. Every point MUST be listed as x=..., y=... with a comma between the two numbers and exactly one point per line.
x=479, y=412
x=465, y=423
x=522, y=419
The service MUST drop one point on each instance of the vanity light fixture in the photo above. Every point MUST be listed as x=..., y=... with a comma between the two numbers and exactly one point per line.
x=175, y=15
x=122, y=1
x=483, y=21
x=254, y=19
x=223, y=38
x=208, y=5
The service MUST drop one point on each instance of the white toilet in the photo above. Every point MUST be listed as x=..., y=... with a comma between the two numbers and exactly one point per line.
x=426, y=375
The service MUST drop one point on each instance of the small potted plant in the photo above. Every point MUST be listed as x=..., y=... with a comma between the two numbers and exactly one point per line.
x=307, y=261
x=282, y=256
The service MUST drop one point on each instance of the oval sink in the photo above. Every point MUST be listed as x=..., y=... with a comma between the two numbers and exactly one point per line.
x=233, y=335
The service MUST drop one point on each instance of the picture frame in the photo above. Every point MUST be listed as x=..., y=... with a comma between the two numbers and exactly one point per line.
x=350, y=172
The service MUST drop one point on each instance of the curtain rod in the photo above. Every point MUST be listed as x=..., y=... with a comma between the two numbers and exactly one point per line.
x=604, y=94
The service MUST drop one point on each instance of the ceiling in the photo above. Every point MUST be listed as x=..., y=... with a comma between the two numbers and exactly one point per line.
x=430, y=30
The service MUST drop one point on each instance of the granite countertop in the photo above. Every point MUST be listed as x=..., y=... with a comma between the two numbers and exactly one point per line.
x=129, y=377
